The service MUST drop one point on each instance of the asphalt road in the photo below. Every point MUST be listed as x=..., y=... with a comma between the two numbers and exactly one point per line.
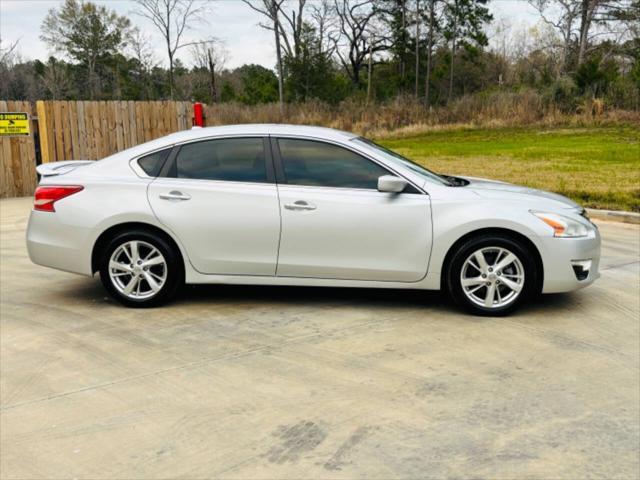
x=247, y=382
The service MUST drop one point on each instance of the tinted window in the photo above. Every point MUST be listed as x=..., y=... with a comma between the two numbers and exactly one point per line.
x=231, y=159
x=152, y=164
x=307, y=162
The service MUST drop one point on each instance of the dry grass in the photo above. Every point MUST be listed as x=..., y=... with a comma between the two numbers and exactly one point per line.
x=593, y=158
x=405, y=116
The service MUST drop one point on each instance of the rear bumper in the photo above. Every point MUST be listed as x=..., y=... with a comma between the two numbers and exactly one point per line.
x=52, y=243
x=557, y=255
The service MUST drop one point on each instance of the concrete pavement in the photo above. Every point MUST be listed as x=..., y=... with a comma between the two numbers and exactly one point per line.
x=248, y=382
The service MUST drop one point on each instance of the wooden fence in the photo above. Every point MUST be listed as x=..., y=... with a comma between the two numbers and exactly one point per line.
x=77, y=130
x=18, y=156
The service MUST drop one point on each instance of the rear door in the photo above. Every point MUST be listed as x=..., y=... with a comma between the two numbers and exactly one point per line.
x=337, y=225
x=219, y=197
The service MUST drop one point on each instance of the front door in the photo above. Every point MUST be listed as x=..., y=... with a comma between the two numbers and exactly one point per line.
x=337, y=225
x=219, y=198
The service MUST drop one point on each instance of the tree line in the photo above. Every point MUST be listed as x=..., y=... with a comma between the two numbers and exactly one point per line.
x=332, y=50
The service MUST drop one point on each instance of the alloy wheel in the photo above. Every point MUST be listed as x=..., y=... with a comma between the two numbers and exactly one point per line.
x=492, y=277
x=137, y=269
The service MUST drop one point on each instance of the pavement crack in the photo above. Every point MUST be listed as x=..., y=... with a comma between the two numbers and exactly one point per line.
x=621, y=265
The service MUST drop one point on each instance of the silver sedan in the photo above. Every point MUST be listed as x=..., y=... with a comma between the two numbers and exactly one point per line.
x=294, y=205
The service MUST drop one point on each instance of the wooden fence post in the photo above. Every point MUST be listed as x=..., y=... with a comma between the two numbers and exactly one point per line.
x=43, y=129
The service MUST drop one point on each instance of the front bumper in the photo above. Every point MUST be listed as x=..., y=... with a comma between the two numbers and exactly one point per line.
x=557, y=256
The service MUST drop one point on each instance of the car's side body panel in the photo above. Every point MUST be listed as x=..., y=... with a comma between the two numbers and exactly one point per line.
x=226, y=227
x=354, y=234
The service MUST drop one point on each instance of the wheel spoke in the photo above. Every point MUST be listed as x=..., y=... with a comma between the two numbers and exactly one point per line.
x=123, y=267
x=151, y=281
x=469, y=282
x=157, y=260
x=473, y=264
x=482, y=262
x=156, y=276
x=516, y=287
x=152, y=253
x=490, y=295
x=131, y=285
x=510, y=258
x=135, y=255
x=120, y=274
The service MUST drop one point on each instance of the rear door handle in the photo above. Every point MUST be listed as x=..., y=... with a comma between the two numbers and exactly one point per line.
x=175, y=195
x=299, y=205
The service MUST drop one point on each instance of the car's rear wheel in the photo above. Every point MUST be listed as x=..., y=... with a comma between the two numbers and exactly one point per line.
x=140, y=269
x=492, y=275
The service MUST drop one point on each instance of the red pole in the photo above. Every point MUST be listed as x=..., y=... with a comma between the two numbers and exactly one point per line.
x=198, y=119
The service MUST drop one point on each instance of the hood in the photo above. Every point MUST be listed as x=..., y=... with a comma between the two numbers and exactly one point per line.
x=496, y=189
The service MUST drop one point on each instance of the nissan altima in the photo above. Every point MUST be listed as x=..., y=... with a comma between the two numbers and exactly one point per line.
x=297, y=205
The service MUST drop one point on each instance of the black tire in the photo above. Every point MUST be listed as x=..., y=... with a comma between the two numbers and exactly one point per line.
x=173, y=264
x=523, y=253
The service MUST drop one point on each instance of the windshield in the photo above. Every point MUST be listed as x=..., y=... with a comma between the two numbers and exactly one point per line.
x=398, y=159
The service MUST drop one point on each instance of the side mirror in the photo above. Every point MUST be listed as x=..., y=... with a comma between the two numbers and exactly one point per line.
x=391, y=184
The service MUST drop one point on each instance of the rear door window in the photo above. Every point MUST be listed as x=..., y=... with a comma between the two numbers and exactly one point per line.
x=228, y=159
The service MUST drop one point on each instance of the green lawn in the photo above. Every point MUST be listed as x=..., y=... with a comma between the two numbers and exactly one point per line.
x=598, y=167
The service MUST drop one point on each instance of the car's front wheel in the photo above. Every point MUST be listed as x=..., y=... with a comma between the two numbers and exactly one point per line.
x=140, y=269
x=492, y=275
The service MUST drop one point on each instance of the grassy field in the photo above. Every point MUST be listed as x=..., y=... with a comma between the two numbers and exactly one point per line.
x=598, y=167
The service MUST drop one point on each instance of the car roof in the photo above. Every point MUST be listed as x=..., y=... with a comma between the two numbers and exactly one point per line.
x=261, y=129
x=245, y=129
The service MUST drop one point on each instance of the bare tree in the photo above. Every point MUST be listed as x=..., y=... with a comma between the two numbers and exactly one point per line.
x=172, y=18
x=322, y=15
x=210, y=55
x=142, y=51
x=430, y=43
x=564, y=22
x=7, y=52
x=354, y=42
x=606, y=15
x=272, y=9
x=453, y=33
x=292, y=26
x=56, y=79
x=417, y=48
x=575, y=21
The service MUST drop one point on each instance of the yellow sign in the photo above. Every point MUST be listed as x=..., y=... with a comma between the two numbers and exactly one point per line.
x=14, y=123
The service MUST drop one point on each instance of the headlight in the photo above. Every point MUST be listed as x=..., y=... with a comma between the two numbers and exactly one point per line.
x=564, y=227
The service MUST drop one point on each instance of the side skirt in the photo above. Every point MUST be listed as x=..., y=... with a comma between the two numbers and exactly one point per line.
x=429, y=282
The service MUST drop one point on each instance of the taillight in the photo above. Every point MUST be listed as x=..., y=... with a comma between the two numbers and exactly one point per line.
x=46, y=196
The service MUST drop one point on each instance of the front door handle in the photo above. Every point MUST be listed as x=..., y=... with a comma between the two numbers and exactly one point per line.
x=175, y=195
x=299, y=205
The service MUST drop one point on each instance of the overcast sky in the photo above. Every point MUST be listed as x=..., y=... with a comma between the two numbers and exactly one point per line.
x=230, y=20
